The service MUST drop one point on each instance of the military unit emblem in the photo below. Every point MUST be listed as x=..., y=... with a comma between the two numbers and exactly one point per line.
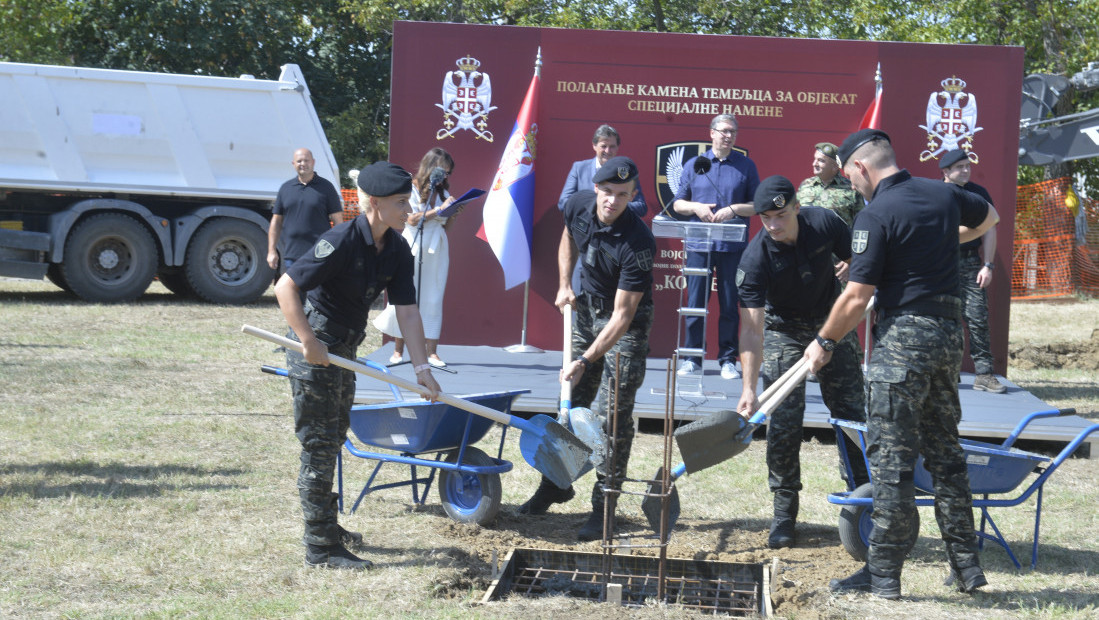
x=859, y=241
x=670, y=159
x=951, y=120
x=467, y=100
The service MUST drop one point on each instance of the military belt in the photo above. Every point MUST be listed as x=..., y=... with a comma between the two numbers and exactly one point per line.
x=944, y=306
x=322, y=324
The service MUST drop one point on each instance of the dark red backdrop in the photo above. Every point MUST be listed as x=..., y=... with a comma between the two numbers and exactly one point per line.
x=656, y=89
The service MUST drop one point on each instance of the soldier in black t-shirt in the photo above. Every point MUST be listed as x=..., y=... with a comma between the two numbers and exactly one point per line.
x=614, y=314
x=787, y=281
x=348, y=267
x=976, y=277
x=905, y=245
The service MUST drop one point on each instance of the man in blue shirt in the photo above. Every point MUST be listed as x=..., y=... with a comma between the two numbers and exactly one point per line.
x=722, y=194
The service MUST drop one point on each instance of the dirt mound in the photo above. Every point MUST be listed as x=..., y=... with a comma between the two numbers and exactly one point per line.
x=1062, y=355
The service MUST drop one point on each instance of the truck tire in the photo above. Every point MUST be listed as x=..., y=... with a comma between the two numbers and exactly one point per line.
x=53, y=274
x=226, y=262
x=109, y=257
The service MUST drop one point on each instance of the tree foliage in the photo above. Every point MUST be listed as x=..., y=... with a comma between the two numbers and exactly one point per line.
x=345, y=46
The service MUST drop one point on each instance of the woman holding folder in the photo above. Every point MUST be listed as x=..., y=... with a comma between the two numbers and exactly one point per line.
x=425, y=231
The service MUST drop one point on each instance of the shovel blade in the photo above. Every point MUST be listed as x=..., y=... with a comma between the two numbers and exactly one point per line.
x=553, y=450
x=711, y=440
x=589, y=429
x=652, y=504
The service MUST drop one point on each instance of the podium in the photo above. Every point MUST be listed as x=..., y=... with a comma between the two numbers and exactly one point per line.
x=697, y=237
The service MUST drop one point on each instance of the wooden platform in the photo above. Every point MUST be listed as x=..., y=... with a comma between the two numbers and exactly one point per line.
x=485, y=369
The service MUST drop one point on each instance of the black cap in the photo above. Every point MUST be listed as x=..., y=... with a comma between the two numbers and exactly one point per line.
x=774, y=193
x=952, y=157
x=617, y=170
x=828, y=149
x=381, y=179
x=856, y=140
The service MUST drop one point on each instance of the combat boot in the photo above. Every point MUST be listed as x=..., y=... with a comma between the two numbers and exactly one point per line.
x=786, y=515
x=863, y=580
x=334, y=556
x=547, y=495
x=972, y=577
x=592, y=528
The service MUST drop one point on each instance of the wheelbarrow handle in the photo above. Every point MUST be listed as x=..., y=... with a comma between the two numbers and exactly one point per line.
x=566, y=357
x=475, y=408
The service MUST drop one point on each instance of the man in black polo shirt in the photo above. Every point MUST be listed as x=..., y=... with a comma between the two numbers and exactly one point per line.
x=976, y=276
x=305, y=207
x=905, y=245
x=614, y=314
x=787, y=283
x=342, y=274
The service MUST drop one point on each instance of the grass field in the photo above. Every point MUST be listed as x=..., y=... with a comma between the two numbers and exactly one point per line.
x=149, y=470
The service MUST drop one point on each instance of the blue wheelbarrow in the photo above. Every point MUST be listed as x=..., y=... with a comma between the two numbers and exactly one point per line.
x=435, y=436
x=994, y=469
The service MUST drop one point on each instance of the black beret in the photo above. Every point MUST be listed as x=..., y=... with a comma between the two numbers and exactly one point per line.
x=857, y=139
x=828, y=149
x=617, y=170
x=774, y=193
x=381, y=179
x=952, y=157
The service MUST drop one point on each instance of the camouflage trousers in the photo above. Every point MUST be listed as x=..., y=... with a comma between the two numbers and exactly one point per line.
x=322, y=404
x=914, y=410
x=597, y=383
x=975, y=303
x=841, y=386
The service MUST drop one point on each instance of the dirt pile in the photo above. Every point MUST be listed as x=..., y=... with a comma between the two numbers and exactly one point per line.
x=1060, y=355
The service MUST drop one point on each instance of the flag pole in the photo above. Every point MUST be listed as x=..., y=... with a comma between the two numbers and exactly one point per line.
x=523, y=347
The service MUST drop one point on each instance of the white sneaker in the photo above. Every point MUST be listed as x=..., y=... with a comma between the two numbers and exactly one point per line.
x=729, y=371
x=687, y=368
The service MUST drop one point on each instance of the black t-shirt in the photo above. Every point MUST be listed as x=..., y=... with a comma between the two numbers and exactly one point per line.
x=973, y=246
x=795, y=281
x=343, y=273
x=905, y=242
x=305, y=209
x=619, y=256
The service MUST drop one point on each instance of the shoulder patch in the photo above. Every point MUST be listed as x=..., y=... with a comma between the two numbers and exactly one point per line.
x=740, y=277
x=859, y=240
x=323, y=249
x=645, y=260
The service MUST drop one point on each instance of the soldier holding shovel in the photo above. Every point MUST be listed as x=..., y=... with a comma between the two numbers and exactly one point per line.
x=788, y=282
x=614, y=314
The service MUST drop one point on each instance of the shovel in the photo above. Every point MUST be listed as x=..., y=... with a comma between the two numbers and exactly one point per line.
x=716, y=438
x=580, y=420
x=546, y=445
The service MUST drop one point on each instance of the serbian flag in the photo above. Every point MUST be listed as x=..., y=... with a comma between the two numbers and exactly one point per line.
x=871, y=119
x=509, y=207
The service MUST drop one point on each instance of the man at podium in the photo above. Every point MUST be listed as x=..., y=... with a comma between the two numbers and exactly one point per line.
x=716, y=186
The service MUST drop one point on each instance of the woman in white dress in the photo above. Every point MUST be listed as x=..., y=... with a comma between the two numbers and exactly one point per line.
x=425, y=231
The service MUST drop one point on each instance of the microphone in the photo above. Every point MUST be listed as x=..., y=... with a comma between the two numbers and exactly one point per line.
x=702, y=166
x=437, y=176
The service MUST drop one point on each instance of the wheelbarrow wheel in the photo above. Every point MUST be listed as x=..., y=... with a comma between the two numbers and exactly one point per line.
x=469, y=497
x=856, y=524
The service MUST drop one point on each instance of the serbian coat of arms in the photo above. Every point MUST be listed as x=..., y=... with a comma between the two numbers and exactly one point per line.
x=951, y=120
x=467, y=100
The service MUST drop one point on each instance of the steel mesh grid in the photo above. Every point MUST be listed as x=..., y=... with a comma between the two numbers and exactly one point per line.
x=713, y=587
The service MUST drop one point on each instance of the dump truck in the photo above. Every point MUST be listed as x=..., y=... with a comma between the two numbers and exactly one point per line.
x=109, y=178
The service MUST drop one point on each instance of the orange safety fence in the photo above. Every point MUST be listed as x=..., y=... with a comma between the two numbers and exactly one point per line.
x=350, y=203
x=1056, y=242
